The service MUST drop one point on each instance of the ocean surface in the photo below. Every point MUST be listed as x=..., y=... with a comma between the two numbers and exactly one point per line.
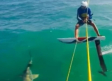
x=33, y=26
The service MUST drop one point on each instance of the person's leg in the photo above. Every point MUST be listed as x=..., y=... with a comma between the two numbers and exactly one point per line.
x=80, y=23
x=76, y=30
x=94, y=26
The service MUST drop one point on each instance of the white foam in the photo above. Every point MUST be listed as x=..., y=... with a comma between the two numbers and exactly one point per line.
x=107, y=50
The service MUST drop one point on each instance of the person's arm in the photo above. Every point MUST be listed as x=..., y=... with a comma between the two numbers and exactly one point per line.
x=89, y=13
x=89, y=16
x=78, y=18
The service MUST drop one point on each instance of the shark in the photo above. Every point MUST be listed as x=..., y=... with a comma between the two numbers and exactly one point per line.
x=27, y=74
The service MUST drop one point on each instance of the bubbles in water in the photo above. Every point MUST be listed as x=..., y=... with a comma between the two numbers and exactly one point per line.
x=107, y=50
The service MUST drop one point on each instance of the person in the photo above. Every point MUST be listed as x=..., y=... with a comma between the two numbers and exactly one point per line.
x=84, y=15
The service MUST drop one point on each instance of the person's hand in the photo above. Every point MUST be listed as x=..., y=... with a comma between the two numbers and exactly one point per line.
x=85, y=20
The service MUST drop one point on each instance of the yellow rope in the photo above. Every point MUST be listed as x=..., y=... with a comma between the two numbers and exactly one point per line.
x=71, y=62
x=88, y=57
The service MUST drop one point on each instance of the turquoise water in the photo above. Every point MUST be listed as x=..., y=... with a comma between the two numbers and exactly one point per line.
x=34, y=26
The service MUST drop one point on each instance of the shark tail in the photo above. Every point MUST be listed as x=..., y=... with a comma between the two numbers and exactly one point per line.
x=35, y=76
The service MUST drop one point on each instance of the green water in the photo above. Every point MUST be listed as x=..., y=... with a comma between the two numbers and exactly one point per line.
x=32, y=27
x=51, y=58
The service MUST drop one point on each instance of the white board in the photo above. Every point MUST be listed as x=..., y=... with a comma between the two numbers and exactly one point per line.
x=81, y=39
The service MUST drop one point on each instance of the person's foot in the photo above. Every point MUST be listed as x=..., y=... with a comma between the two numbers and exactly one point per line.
x=100, y=35
x=77, y=40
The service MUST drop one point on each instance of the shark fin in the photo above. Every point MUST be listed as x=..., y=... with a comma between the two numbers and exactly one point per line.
x=35, y=76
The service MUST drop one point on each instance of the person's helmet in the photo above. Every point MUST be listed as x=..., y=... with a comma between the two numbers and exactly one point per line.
x=84, y=3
